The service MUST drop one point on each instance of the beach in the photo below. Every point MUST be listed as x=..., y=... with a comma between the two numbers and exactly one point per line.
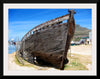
x=81, y=49
x=84, y=50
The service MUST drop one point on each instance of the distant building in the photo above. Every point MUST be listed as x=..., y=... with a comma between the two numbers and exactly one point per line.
x=90, y=37
x=84, y=40
x=87, y=40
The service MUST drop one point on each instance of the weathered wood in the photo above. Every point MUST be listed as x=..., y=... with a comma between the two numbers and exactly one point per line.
x=51, y=44
x=71, y=30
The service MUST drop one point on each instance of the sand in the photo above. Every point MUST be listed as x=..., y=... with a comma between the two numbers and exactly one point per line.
x=81, y=49
x=85, y=50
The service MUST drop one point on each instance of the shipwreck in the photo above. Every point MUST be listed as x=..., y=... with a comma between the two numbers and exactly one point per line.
x=49, y=42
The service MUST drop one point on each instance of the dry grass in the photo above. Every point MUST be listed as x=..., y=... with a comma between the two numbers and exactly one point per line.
x=78, y=62
x=25, y=63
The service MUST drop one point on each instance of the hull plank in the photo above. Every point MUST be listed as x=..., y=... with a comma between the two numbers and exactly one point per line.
x=51, y=40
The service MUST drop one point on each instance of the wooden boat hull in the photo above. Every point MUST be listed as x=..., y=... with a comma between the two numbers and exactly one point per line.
x=50, y=45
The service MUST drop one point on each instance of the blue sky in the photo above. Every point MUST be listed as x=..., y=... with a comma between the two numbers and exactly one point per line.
x=20, y=21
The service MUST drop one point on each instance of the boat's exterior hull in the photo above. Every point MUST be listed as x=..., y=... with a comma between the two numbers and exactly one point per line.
x=49, y=45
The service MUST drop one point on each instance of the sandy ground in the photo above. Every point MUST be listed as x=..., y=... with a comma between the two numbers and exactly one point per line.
x=85, y=50
x=79, y=49
x=13, y=66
